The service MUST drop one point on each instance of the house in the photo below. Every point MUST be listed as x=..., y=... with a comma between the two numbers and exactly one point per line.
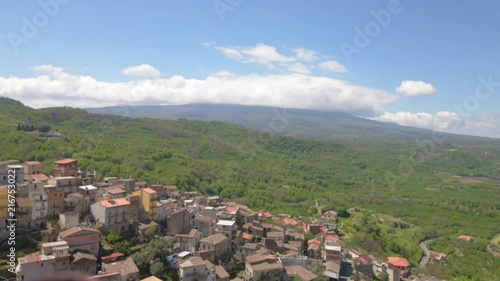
x=313, y=249
x=215, y=247
x=5, y=166
x=88, y=190
x=25, y=188
x=398, y=263
x=65, y=168
x=264, y=271
x=115, y=276
x=437, y=256
x=189, y=239
x=221, y=273
x=332, y=270
x=115, y=191
x=466, y=238
x=74, y=202
x=112, y=214
x=84, y=239
x=226, y=227
x=334, y=241
x=68, y=184
x=127, y=269
x=249, y=249
x=289, y=223
x=83, y=263
x=314, y=228
x=43, y=266
x=55, y=200
x=149, y=201
x=330, y=215
x=214, y=201
x=296, y=270
x=69, y=220
x=32, y=168
x=24, y=208
x=178, y=221
x=196, y=269
x=40, y=208
x=205, y=224
x=265, y=215
x=333, y=253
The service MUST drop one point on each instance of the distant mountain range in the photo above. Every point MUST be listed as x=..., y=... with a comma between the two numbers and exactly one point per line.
x=296, y=122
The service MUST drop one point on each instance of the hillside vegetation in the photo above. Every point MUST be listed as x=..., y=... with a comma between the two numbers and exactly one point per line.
x=408, y=180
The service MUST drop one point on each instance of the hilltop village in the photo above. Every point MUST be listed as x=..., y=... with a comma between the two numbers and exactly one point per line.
x=124, y=230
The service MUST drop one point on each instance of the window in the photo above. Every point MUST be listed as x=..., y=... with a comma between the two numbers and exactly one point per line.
x=35, y=186
x=5, y=178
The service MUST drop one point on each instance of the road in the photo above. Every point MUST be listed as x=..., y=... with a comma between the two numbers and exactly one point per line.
x=427, y=255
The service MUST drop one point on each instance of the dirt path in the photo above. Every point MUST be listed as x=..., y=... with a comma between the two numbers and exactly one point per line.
x=427, y=255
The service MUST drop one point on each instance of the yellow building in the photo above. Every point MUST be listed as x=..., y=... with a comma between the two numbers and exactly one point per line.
x=149, y=201
x=3, y=203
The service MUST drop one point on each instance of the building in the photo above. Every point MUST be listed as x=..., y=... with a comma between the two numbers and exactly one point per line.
x=84, y=239
x=5, y=176
x=55, y=200
x=264, y=269
x=398, y=263
x=24, y=208
x=205, y=224
x=196, y=269
x=189, y=239
x=68, y=184
x=84, y=263
x=215, y=247
x=115, y=191
x=296, y=270
x=466, y=238
x=65, y=168
x=112, y=214
x=228, y=228
x=55, y=258
x=127, y=269
x=3, y=212
x=32, y=168
x=25, y=188
x=39, y=213
x=69, y=220
x=178, y=221
x=149, y=201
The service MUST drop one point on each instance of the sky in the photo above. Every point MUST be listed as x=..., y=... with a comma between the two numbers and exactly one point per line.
x=427, y=64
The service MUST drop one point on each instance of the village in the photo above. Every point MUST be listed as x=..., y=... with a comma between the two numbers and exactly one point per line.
x=210, y=239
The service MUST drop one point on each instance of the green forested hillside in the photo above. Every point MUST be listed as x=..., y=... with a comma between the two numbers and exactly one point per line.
x=415, y=183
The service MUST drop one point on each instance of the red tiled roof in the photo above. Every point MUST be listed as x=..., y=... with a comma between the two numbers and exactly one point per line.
x=34, y=259
x=466, y=238
x=112, y=256
x=77, y=229
x=314, y=241
x=149, y=190
x=398, y=261
x=118, y=202
x=289, y=221
x=36, y=177
x=247, y=236
x=114, y=190
x=65, y=161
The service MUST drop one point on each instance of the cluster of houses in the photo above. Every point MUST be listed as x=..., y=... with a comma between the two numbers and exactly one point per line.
x=210, y=237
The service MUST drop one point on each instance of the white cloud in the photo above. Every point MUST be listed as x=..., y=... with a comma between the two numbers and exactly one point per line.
x=54, y=87
x=332, y=65
x=222, y=74
x=446, y=121
x=299, y=68
x=305, y=55
x=143, y=70
x=268, y=55
x=415, y=88
x=441, y=121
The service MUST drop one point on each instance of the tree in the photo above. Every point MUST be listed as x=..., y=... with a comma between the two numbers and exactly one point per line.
x=151, y=231
x=157, y=269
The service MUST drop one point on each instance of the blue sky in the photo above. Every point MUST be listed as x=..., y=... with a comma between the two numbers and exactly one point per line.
x=249, y=52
